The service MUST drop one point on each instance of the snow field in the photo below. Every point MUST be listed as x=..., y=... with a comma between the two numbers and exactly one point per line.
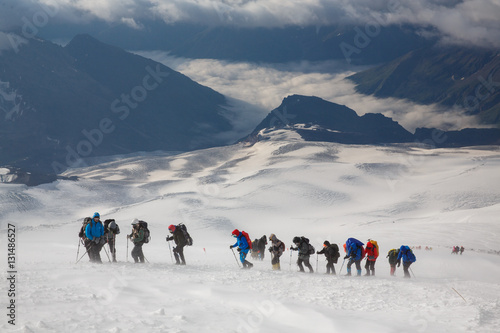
x=395, y=195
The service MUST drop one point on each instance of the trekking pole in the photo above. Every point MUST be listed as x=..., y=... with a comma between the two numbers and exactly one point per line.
x=106, y=251
x=113, y=253
x=170, y=250
x=316, y=262
x=343, y=262
x=412, y=272
x=145, y=258
x=83, y=255
x=237, y=262
x=78, y=251
x=128, y=239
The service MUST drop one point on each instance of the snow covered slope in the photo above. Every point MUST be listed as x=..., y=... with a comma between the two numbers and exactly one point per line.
x=324, y=191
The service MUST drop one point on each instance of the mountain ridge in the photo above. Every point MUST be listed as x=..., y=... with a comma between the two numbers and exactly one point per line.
x=92, y=99
x=466, y=78
x=315, y=119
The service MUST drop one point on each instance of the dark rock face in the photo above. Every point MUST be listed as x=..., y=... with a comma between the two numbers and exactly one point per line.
x=88, y=99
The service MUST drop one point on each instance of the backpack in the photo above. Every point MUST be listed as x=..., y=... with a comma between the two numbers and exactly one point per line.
x=336, y=252
x=144, y=226
x=189, y=239
x=310, y=248
x=110, y=225
x=358, y=244
x=376, y=249
x=393, y=253
x=248, y=239
x=254, y=246
x=410, y=255
x=281, y=248
x=86, y=221
x=393, y=256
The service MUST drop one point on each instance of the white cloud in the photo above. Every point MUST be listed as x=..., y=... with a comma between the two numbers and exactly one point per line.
x=266, y=85
x=464, y=21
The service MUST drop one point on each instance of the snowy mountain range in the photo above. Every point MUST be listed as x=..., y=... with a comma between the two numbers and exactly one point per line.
x=63, y=106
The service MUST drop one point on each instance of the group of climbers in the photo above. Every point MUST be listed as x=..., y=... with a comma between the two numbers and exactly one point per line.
x=94, y=235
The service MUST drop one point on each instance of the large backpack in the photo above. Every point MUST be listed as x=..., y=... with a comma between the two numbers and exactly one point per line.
x=336, y=252
x=144, y=226
x=310, y=248
x=282, y=247
x=393, y=253
x=86, y=221
x=254, y=247
x=189, y=239
x=410, y=255
x=359, y=244
x=375, y=248
x=247, y=238
x=393, y=256
x=110, y=225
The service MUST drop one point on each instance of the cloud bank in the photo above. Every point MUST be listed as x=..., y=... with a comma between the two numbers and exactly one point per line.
x=266, y=85
x=457, y=21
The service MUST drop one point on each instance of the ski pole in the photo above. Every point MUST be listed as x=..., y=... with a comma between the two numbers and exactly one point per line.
x=78, y=252
x=234, y=254
x=170, y=249
x=343, y=262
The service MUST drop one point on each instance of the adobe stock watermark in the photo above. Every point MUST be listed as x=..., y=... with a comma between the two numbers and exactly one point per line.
x=255, y=318
x=116, y=284
x=436, y=139
x=120, y=107
x=31, y=25
x=281, y=117
x=223, y=11
x=371, y=30
x=482, y=92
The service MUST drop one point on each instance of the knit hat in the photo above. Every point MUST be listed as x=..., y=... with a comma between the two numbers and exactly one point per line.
x=96, y=214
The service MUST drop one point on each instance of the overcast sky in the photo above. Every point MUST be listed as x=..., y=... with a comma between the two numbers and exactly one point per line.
x=464, y=21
